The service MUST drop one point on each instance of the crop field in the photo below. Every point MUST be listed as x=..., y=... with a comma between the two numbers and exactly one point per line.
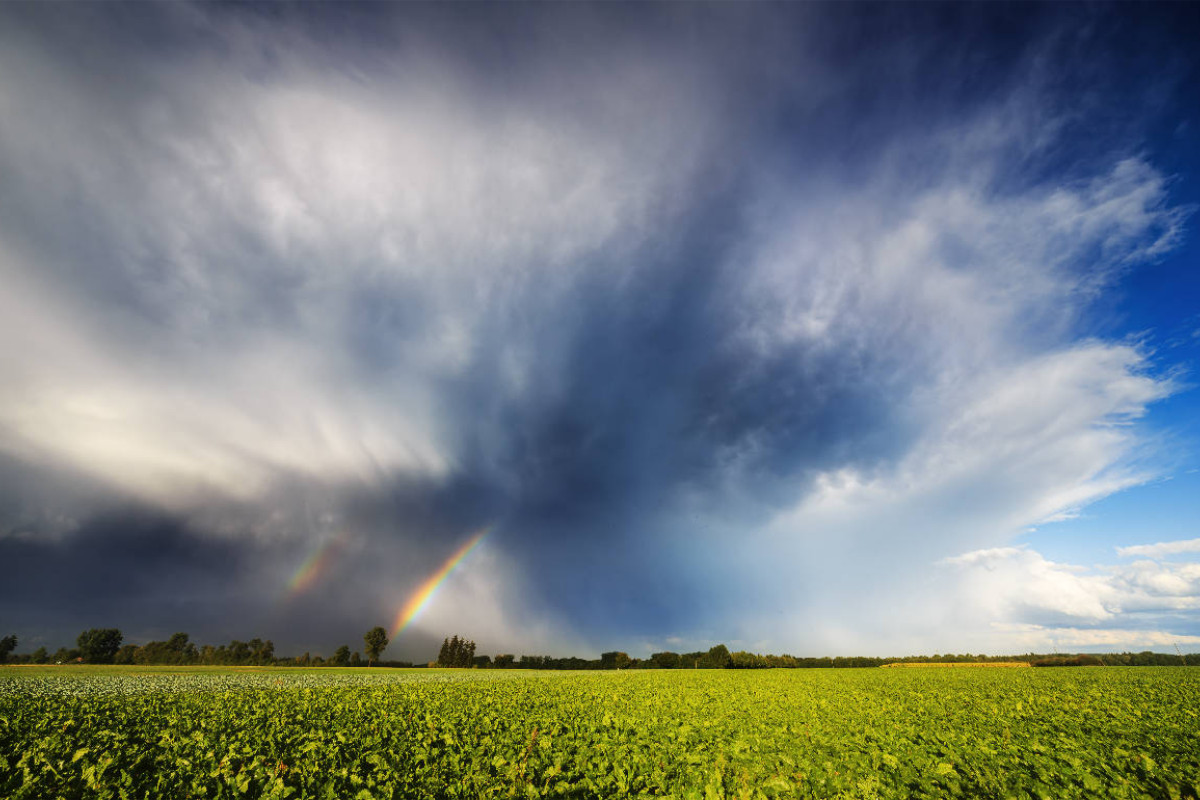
x=899, y=733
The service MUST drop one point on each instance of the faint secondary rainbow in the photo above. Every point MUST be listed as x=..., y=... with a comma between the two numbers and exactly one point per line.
x=424, y=594
x=316, y=565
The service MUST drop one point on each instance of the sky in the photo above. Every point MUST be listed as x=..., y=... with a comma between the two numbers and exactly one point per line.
x=845, y=329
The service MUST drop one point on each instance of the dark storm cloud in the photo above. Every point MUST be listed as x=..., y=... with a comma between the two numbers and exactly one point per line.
x=647, y=290
x=125, y=565
x=657, y=395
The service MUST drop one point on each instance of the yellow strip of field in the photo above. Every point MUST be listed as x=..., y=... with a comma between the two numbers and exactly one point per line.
x=958, y=664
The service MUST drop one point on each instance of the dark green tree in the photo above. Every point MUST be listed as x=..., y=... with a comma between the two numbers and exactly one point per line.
x=40, y=656
x=376, y=641
x=356, y=660
x=614, y=660
x=341, y=656
x=265, y=653
x=456, y=652
x=665, y=660
x=744, y=660
x=7, y=645
x=99, y=645
x=716, y=658
x=239, y=652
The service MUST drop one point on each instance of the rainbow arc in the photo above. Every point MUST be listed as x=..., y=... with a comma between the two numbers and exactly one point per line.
x=421, y=597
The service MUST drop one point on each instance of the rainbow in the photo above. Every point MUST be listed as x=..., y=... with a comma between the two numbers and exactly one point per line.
x=317, y=564
x=424, y=594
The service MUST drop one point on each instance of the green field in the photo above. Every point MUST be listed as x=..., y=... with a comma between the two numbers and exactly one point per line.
x=986, y=733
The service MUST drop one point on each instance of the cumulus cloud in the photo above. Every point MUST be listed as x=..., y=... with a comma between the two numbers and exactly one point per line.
x=1029, y=598
x=708, y=374
x=1160, y=549
x=1040, y=639
x=1018, y=580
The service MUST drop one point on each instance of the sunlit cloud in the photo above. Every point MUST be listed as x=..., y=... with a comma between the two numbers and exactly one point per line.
x=1160, y=549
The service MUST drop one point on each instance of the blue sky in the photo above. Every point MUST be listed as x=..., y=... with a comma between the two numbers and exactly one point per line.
x=820, y=329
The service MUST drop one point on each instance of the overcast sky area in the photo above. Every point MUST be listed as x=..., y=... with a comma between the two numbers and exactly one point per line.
x=811, y=329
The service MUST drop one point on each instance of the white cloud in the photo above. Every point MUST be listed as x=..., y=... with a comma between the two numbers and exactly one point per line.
x=1007, y=582
x=1016, y=589
x=1160, y=549
x=1019, y=638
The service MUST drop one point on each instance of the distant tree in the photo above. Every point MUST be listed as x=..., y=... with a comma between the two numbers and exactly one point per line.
x=341, y=656
x=614, y=660
x=481, y=662
x=456, y=652
x=356, y=660
x=99, y=645
x=7, y=645
x=181, y=649
x=40, y=656
x=743, y=660
x=239, y=652
x=665, y=660
x=126, y=655
x=716, y=658
x=376, y=641
x=178, y=649
x=504, y=660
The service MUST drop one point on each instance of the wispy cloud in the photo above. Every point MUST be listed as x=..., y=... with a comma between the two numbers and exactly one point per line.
x=1160, y=549
x=1038, y=638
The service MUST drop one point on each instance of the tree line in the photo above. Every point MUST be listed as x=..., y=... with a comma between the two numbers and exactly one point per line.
x=104, y=646
x=719, y=657
x=459, y=652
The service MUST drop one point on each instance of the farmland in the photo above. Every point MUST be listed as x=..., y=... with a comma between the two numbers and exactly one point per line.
x=113, y=732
